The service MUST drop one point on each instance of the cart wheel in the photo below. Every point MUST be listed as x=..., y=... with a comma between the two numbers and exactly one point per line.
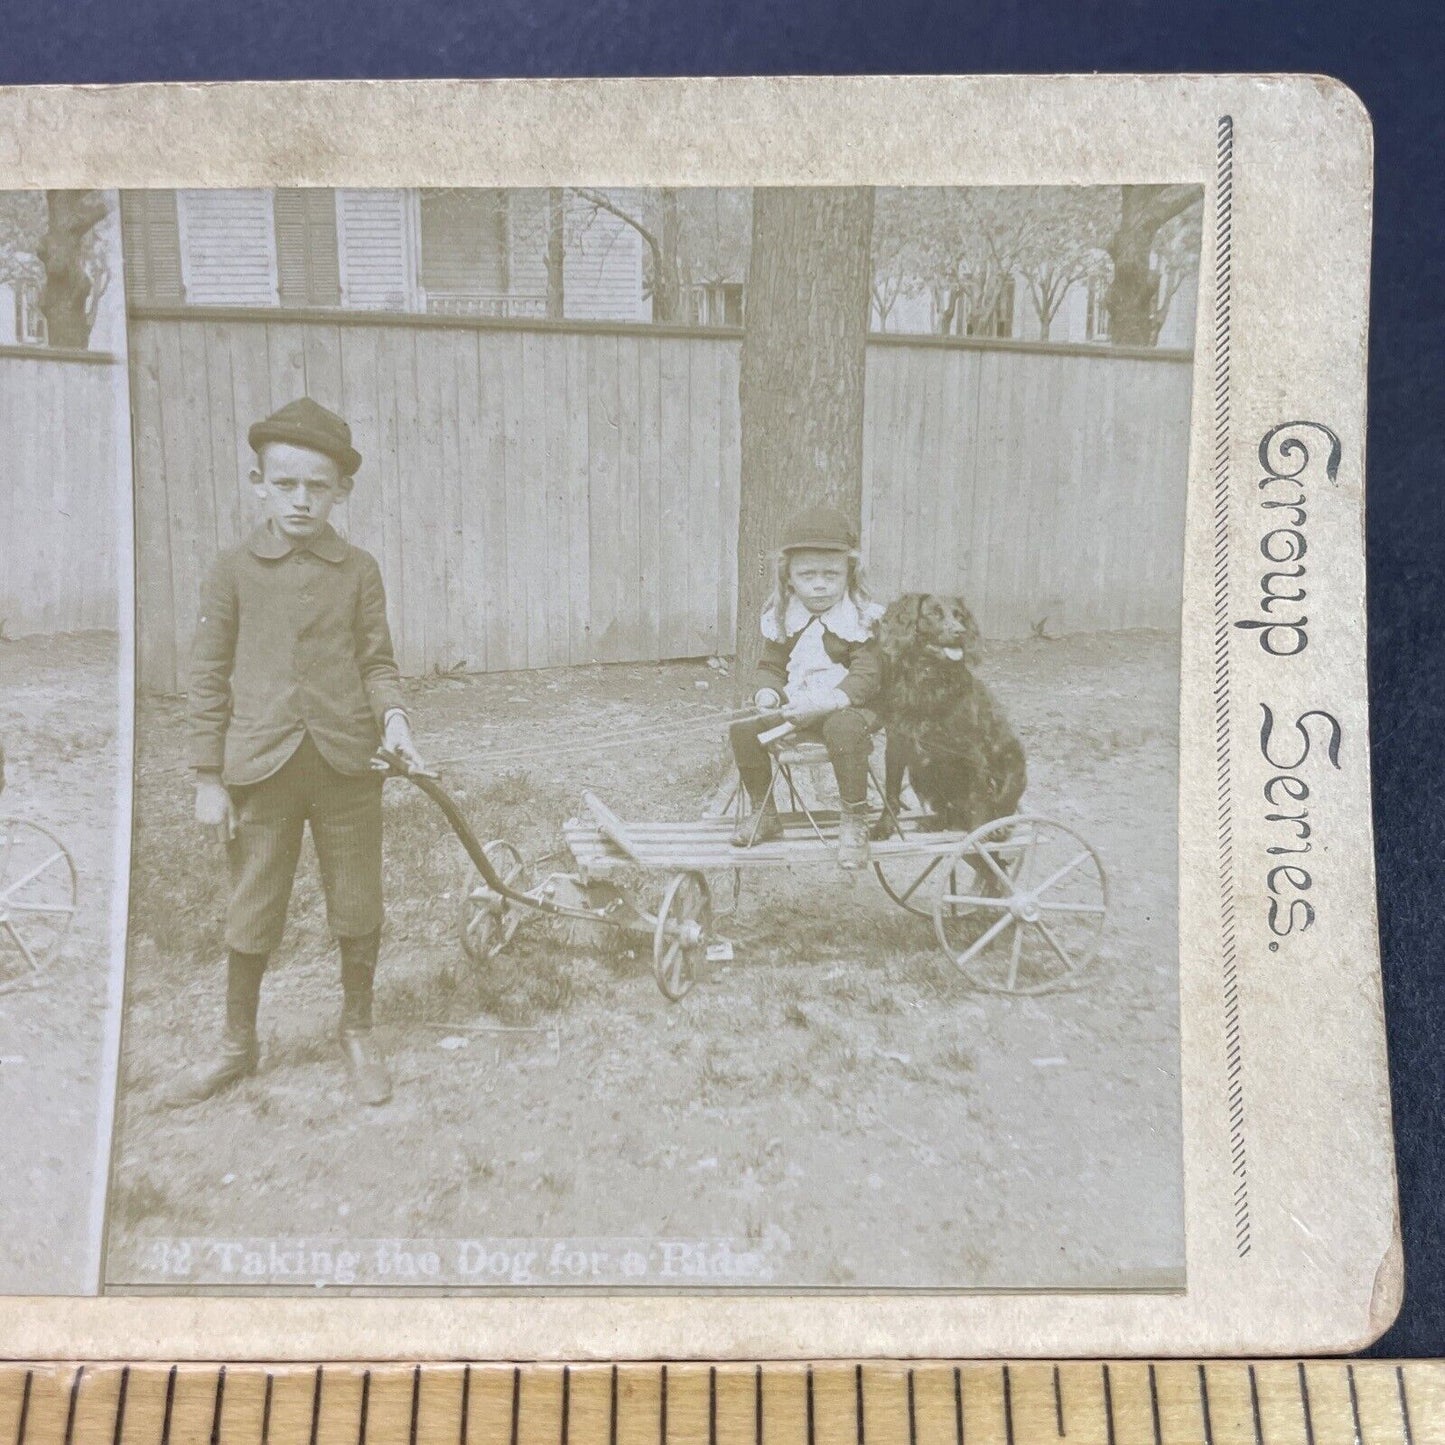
x=903, y=880
x=684, y=919
x=487, y=921
x=1020, y=906
x=37, y=899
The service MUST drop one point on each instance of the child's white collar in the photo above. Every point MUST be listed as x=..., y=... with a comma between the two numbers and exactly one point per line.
x=844, y=619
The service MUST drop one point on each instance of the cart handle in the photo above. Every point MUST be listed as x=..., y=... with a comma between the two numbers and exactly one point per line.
x=427, y=783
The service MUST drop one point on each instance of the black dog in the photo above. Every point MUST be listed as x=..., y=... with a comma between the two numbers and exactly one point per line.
x=944, y=728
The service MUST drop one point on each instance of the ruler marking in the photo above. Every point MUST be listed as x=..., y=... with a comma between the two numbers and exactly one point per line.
x=858, y=1399
x=170, y=1405
x=758, y=1405
x=1008, y=1406
x=366, y=1409
x=912, y=1417
x=120, y=1405
x=810, y=1405
x=1204, y=1407
x=1254, y=1407
x=1059, y=1405
x=466, y=1404
x=216, y=1407
x=1304, y=1401
x=612, y=1419
x=266, y=1410
x=517, y=1404
x=1154, y=1405
x=712, y=1405
x=1109, y=1406
x=415, y=1403
x=566, y=1401
x=662, y=1409
x=70, y=1409
x=958, y=1405
x=1404, y=1405
x=316, y=1406
x=1354, y=1404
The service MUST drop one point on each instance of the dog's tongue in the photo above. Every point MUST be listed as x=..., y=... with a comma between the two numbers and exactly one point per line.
x=953, y=654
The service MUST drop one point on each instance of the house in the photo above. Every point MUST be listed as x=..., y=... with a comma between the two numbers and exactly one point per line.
x=449, y=252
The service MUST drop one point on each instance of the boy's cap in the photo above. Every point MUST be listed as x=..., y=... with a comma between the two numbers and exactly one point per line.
x=821, y=529
x=305, y=423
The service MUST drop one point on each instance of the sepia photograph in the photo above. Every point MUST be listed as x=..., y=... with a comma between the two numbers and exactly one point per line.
x=723, y=647
x=65, y=498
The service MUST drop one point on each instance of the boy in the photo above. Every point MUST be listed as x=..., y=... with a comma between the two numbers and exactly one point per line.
x=293, y=685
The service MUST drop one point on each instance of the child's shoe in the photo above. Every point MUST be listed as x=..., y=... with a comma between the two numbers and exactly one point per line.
x=853, y=837
x=234, y=1060
x=370, y=1082
x=762, y=825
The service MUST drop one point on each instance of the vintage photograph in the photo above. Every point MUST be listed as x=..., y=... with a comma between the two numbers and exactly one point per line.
x=65, y=497
x=723, y=648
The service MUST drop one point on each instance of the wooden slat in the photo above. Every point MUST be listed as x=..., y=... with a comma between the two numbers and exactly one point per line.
x=578, y=485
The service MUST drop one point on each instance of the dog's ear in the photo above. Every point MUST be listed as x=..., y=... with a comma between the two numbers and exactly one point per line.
x=898, y=628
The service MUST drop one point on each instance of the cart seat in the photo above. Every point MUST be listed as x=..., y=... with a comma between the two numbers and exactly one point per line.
x=805, y=754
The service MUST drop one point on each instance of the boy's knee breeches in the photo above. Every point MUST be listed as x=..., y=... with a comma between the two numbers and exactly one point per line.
x=344, y=812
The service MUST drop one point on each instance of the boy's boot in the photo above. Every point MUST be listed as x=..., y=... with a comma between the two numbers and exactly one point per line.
x=370, y=1081
x=853, y=836
x=236, y=1056
x=762, y=824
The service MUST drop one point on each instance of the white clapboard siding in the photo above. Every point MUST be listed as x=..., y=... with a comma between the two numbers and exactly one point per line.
x=602, y=269
x=64, y=484
x=228, y=247
x=378, y=268
x=577, y=488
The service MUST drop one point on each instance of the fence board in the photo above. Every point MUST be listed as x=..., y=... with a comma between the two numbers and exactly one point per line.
x=546, y=495
x=64, y=477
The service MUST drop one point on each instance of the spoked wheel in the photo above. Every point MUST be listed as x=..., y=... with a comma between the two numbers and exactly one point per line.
x=679, y=940
x=903, y=880
x=1020, y=907
x=37, y=899
x=487, y=921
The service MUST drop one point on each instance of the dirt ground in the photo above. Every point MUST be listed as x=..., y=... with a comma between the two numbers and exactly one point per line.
x=833, y=1106
x=58, y=707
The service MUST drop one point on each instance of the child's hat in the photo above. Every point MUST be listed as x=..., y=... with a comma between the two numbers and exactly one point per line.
x=305, y=423
x=820, y=529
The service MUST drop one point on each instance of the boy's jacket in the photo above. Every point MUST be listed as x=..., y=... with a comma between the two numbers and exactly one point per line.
x=292, y=640
x=848, y=639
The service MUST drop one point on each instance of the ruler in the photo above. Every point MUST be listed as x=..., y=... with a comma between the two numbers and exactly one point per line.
x=1134, y=1402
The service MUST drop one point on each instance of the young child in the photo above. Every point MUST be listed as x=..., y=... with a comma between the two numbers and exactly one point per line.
x=293, y=685
x=821, y=667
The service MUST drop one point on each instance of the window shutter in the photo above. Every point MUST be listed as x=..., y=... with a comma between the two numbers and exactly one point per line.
x=151, y=243
x=307, y=269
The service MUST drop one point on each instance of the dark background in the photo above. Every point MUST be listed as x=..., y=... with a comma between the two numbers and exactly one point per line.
x=1392, y=54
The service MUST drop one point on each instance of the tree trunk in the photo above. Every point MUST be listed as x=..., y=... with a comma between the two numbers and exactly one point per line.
x=666, y=281
x=556, y=254
x=1133, y=300
x=800, y=385
x=65, y=296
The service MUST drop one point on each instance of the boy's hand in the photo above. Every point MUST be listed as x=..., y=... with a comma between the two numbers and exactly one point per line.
x=767, y=699
x=215, y=811
x=397, y=739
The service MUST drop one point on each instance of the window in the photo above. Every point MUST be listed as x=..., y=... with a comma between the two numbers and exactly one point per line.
x=464, y=251
x=307, y=269
x=152, y=248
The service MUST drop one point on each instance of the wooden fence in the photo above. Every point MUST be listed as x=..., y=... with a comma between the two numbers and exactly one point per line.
x=542, y=495
x=64, y=486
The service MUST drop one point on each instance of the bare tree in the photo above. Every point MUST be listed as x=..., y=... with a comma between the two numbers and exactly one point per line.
x=654, y=217
x=1139, y=297
x=1062, y=243
x=69, y=294
x=800, y=385
x=556, y=253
